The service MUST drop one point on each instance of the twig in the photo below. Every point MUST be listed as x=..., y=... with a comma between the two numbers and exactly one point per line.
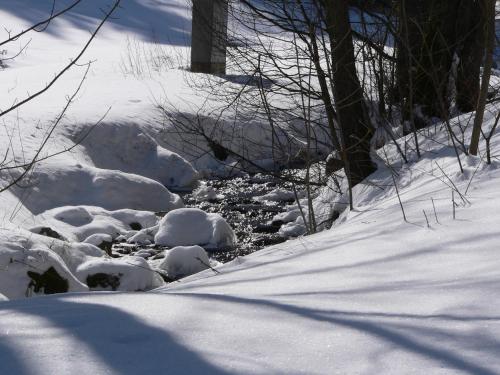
x=399, y=197
x=208, y=265
x=435, y=213
x=453, y=202
x=426, y=219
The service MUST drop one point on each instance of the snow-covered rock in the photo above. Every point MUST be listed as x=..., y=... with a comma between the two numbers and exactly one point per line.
x=145, y=236
x=129, y=273
x=98, y=238
x=293, y=229
x=29, y=267
x=47, y=231
x=205, y=193
x=291, y=214
x=3, y=298
x=101, y=240
x=192, y=226
x=56, y=184
x=277, y=195
x=79, y=223
x=184, y=261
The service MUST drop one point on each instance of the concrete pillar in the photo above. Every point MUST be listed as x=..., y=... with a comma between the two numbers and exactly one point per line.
x=209, y=36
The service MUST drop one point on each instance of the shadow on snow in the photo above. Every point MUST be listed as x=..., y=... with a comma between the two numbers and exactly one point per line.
x=163, y=21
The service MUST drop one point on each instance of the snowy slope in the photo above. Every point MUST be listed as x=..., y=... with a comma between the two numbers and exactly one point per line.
x=374, y=295
x=126, y=100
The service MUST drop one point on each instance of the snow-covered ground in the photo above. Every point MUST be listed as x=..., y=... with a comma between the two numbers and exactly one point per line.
x=374, y=295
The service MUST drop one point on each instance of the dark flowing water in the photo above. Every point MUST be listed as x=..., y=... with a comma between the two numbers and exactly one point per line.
x=237, y=201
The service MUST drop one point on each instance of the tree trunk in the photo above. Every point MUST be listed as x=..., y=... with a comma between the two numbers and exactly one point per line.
x=355, y=127
x=470, y=50
x=425, y=55
x=488, y=7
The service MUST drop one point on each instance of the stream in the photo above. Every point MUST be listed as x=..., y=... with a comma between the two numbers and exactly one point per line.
x=242, y=203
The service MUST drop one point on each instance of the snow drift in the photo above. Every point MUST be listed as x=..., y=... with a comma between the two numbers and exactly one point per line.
x=54, y=184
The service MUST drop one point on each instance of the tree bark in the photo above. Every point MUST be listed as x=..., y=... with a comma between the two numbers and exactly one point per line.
x=470, y=51
x=425, y=55
x=355, y=127
x=488, y=7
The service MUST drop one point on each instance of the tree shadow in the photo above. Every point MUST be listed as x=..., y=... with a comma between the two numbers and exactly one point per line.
x=314, y=271
x=10, y=361
x=430, y=348
x=116, y=338
x=162, y=21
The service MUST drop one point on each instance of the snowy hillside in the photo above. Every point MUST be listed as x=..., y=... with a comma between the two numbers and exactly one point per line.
x=372, y=295
x=407, y=282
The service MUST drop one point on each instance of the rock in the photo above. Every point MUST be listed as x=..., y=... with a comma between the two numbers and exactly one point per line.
x=49, y=282
x=135, y=226
x=102, y=241
x=104, y=281
x=48, y=232
x=333, y=163
x=268, y=240
x=267, y=228
x=220, y=152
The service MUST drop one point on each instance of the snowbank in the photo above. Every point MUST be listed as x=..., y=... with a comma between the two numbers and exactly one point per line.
x=184, y=261
x=32, y=264
x=78, y=223
x=56, y=184
x=126, y=147
x=192, y=226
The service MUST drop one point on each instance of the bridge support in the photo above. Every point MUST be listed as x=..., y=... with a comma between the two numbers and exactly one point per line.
x=209, y=36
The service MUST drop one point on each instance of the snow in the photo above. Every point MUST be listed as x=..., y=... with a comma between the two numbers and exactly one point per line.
x=57, y=184
x=77, y=223
x=291, y=214
x=126, y=147
x=277, y=195
x=374, y=295
x=98, y=239
x=129, y=273
x=184, y=261
x=144, y=236
x=192, y=226
x=205, y=193
x=20, y=255
x=293, y=229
